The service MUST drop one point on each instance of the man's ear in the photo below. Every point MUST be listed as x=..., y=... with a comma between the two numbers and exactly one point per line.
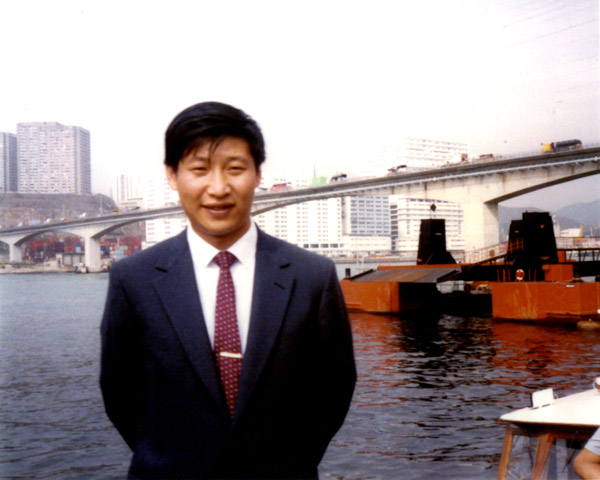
x=258, y=177
x=171, y=177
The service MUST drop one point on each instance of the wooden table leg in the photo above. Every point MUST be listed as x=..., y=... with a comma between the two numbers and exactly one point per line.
x=544, y=444
x=505, y=457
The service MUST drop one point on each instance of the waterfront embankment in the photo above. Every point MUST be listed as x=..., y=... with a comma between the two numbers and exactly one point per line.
x=9, y=268
x=356, y=265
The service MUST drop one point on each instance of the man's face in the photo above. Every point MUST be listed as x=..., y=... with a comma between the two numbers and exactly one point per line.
x=216, y=190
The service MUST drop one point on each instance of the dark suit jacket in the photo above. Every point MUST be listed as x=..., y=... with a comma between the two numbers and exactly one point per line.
x=161, y=386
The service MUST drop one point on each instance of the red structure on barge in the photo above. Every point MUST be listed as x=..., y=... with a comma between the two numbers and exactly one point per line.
x=533, y=281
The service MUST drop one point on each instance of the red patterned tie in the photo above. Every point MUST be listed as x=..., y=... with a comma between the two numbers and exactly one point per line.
x=228, y=348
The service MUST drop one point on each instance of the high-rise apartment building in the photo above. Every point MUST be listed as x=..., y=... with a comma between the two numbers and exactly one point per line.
x=366, y=216
x=366, y=224
x=314, y=225
x=127, y=191
x=157, y=193
x=363, y=224
x=8, y=162
x=333, y=226
x=53, y=158
x=432, y=153
x=406, y=216
x=416, y=154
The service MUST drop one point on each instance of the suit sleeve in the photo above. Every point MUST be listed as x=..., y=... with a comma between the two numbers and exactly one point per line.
x=120, y=363
x=338, y=373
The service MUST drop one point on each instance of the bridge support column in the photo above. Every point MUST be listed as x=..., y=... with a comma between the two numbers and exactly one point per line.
x=92, y=254
x=15, y=253
x=480, y=225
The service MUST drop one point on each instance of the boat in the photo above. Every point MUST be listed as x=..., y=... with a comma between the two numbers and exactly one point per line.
x=572, y=420
x=390, y=289
x=395, y=289
x=535, y=281
x=532, y=281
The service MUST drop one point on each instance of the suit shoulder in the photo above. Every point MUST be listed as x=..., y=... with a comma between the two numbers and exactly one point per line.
x=299, y=256
x=159, y=253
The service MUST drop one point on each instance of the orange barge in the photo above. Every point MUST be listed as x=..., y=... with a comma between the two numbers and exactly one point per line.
x=538, y=282
x=563, y=299
x=395, y=289
x=533, y=281
x=407, y=288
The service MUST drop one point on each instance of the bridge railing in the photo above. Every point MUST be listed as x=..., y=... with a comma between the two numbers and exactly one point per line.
x=574, y=246
x=485, y=253
x=571, y=243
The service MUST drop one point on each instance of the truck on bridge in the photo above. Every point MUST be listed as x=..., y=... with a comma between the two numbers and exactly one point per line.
x=564, y=146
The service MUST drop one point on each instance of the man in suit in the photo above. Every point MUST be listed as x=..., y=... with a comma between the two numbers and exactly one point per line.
x=170, y=387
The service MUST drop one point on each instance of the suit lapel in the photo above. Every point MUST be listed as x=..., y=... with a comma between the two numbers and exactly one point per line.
x=176, y=286
x=273, y=285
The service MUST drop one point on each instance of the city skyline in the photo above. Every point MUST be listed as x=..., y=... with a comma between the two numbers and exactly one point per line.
x=333, y=226
x=332, y=83
x=583, y=190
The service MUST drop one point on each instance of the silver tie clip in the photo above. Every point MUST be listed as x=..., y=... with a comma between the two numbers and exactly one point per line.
x=230, y=355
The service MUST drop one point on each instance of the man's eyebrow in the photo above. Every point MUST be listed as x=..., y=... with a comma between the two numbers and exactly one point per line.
x=197, y=156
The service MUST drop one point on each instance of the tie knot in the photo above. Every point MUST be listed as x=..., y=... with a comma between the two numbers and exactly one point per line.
x=224, y=259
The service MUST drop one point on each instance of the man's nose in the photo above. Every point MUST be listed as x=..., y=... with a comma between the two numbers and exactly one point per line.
x=218, y=183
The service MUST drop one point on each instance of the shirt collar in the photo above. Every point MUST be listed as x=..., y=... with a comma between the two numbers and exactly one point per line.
x=203, y=253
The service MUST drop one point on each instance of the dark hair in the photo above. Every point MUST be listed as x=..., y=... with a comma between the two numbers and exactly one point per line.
x=211, y=121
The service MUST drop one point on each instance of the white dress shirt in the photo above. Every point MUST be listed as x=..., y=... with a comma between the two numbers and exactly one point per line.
x=207, y=277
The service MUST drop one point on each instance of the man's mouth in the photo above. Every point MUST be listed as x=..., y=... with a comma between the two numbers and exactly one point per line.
x=218, y=208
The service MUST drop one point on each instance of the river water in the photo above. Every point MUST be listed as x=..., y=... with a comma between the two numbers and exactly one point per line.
x=429, y=392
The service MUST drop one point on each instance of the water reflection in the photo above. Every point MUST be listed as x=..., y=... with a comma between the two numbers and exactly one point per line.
x=538, y=356
x=431, y=389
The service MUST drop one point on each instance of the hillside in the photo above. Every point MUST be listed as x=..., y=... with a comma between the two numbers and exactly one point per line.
x=36, y=208
x=570, y=216
x=586, y=214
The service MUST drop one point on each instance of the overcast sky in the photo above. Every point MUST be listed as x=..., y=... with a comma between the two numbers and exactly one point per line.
x=332, y=83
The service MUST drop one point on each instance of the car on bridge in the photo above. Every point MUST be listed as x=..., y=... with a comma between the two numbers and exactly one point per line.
x=396, y=170
x=338, y=178
x=281, y=187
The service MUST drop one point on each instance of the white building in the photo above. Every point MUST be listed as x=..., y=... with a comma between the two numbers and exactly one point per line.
x=366, y=216
x=416, y=154
x=366, y=245
x=53, y=158
x=157, y=193
x=313, y=225
x=320, y=226
x=130, y=192
x=127, y=191
x=406, y=216
x=334, y=226
x=366, y=224
x=8, y=162
x=571, y=232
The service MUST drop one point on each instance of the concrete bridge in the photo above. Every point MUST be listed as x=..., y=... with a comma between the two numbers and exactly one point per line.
x=91, y=229
x=478, y=186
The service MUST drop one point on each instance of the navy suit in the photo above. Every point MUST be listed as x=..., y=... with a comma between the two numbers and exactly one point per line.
x=161, y=386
